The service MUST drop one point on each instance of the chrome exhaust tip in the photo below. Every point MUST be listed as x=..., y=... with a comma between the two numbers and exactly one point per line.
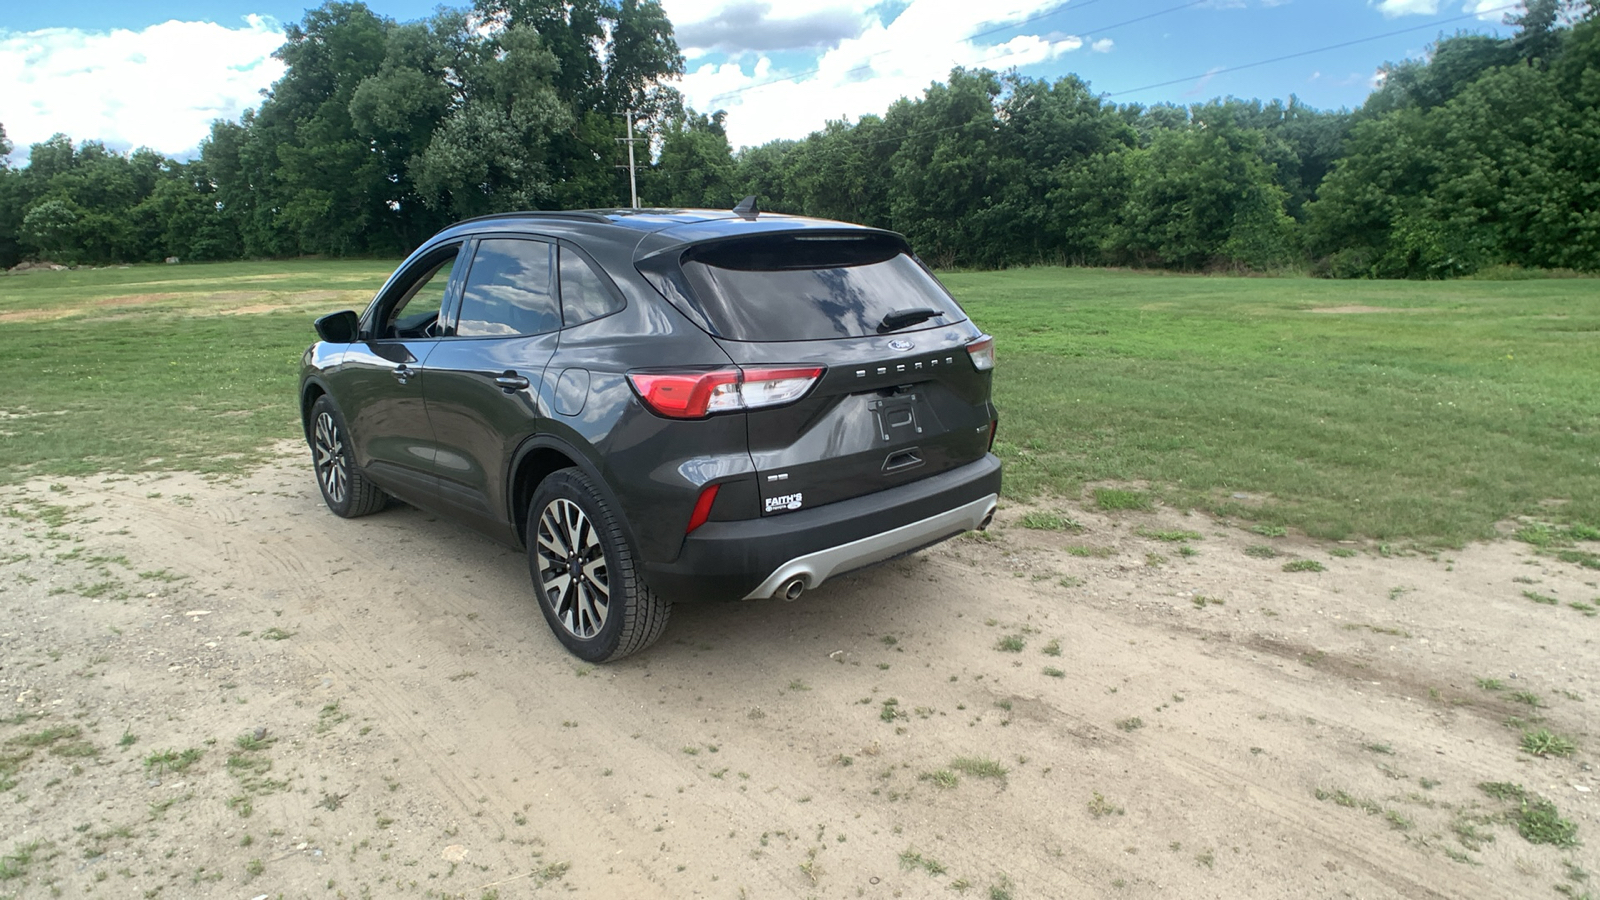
x=793, y=589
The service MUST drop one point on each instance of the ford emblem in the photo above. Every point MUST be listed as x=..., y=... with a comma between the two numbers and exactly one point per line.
x=901, y=345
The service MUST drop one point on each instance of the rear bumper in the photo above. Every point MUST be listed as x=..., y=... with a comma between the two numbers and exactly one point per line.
x=756, y=558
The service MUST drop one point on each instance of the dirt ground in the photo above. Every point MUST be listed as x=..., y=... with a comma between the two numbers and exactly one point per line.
x=218, y=689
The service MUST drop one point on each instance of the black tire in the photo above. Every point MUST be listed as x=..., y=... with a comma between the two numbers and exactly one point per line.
x=346, y=491
x=606, y=612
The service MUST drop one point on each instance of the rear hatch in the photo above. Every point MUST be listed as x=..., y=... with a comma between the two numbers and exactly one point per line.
x=900, y=396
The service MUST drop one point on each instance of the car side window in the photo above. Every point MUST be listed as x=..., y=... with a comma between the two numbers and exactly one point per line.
x=416, y=313
x=509, y=290
x=585, y=296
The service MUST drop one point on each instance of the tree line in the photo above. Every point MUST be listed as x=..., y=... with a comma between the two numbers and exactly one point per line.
x=1486, y=154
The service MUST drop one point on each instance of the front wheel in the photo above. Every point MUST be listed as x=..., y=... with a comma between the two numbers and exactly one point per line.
x=584, y=572
x=346, y=491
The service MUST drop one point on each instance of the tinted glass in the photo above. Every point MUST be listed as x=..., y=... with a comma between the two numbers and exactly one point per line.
x=417, y=311
x=799, y=289
x=508, y=291
x=584, y=294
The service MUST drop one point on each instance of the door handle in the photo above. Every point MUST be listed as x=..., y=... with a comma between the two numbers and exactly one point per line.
x=403, y=372
x=511, y=382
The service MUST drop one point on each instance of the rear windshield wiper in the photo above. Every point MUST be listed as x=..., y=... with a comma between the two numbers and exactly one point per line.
x=904, y=318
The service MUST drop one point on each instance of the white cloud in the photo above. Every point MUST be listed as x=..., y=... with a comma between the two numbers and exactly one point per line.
x=867, y=73
x=1487, y=10
x=1393, y=8
x=1103, y=45
x=159, y=87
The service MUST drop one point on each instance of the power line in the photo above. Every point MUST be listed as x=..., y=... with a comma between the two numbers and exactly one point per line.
x=1275, y=59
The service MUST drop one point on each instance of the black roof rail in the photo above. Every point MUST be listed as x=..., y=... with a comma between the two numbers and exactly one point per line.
x=582, y=215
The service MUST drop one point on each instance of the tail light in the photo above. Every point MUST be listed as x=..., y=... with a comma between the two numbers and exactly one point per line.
x=994, y=428
x=697, y=394
x=982, y=353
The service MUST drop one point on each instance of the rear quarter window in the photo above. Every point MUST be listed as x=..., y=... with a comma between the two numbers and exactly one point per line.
x=805, y=287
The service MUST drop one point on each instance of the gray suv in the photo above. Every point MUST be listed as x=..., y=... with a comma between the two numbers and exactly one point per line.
x=661, y=405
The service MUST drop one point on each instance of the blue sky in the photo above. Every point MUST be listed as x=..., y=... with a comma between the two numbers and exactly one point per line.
x=133, y=73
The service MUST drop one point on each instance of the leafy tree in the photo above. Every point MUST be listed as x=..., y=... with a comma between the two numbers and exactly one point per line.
x=695, y=166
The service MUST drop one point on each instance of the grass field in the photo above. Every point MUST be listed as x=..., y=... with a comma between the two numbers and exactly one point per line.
x=1400, y=411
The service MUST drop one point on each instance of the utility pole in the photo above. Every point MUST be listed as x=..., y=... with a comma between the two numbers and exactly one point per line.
x=633, y=180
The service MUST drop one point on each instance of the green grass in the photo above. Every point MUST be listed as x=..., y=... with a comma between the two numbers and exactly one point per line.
x=143, y=371
x=1472, y=403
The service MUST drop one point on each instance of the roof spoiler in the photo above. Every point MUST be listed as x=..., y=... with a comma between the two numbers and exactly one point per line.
x=747, y=208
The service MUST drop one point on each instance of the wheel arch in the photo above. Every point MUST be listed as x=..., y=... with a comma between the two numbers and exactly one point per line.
x=534, y=461
x=309, y=394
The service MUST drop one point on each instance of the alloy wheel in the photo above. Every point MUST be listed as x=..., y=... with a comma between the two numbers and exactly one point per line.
x=572, y=568
x=332, y=472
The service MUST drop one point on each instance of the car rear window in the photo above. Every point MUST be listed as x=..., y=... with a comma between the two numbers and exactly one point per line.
x=808, y=287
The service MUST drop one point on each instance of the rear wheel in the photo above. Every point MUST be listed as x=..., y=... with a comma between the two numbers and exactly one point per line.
x=346, y=491
x=588, y=583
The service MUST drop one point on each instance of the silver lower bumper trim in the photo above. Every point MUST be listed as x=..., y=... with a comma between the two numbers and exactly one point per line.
x=815, y=568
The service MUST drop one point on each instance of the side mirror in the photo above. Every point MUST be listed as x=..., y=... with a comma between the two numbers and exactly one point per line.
x=339, y=328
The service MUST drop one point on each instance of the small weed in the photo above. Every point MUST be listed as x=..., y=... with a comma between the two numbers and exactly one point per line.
x=891, y=710
x=253, y=868
x=1397, y=821
x=1051, y=649
x=911, y=860
x=1118, y=499
x=978, y=767
x=1207, y=859
x=1054, y=672
x=1083, y=550
x=1154, y=560
x=1070, y=581
x=329, y=716
x=1537, y=819
x=1491, y=684
x=1579, y=558
x=1342, y=552
x=798, y=685
x=1540, y=598
x=1131, y=724
x=1349, y=801
x=1170, y=536
x=1385, y=749
x=276, y=634
x=1466, y=831
x=1527, y=697
x=1100, y=807
x=1042, y=520
x=1587, y=609
x=1545, y=743
x=1304, y=565
x=1201, y=601
x=172, y=760
x=943, y=778
x=1011, y=643
x=15, y=864
x=1260, y=551
x=254, y=740
x=1273, y=531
